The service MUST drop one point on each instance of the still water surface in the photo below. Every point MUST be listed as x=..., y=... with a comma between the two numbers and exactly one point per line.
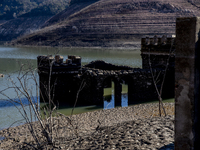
x=12, y=58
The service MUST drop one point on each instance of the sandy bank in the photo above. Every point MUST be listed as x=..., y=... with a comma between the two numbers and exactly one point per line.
x=113, y=128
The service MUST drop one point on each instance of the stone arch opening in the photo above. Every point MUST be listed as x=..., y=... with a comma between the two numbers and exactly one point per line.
x=110, y=86
x=127, y=82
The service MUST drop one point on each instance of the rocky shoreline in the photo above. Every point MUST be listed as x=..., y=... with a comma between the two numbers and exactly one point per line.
x=135, y=127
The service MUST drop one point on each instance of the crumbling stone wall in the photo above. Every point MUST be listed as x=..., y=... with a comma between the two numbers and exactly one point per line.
x=65, y=79
x=159, y=52
x=100, y=64
x=64, y=85
x=158, y=49
x=139, y=82
x=58, y=79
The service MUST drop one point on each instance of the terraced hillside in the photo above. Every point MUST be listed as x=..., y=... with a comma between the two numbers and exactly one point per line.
x=20, y=26
x=195, y=2
x=111, y=22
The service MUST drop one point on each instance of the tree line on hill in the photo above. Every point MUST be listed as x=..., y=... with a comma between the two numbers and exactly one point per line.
x=10, y=9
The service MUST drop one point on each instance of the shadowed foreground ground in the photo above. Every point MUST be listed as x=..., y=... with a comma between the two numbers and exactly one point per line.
x=134, y=127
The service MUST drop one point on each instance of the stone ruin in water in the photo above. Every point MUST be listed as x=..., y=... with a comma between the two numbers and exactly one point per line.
x=66, y=76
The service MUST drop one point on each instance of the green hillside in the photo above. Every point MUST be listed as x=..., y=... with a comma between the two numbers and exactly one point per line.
x=10, y=9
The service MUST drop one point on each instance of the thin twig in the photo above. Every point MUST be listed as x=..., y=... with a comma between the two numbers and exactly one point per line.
x=157, y=91
x=83, y=83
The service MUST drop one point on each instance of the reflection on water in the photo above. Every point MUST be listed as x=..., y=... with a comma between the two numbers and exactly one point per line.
x=13, y=116
x=12, y=113
x=119, y=57
x=109, y=98
x=108, y=104
x=13, y=58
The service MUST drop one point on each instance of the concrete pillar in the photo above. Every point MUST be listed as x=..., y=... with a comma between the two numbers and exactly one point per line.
x=187, y=84
x=118, y=93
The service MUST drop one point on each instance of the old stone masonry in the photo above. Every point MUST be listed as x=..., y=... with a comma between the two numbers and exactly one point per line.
x=66, y=77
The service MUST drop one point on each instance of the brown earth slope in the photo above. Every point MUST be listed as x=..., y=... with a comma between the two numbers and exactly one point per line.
x=111, y=23
x=67, y=12
x=20, y=26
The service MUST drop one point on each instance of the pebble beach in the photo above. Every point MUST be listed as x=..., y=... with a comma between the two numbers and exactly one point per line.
x=135, y=127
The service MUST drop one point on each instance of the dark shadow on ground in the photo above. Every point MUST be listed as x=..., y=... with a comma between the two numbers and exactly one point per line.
x=168, y=147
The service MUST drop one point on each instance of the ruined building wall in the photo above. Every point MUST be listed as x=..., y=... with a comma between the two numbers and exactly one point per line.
x=159, y=52
x=66, y=77
x=58, y=79
x=140, y=87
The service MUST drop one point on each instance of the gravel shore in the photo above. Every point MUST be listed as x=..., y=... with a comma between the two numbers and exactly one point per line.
x=135, y=127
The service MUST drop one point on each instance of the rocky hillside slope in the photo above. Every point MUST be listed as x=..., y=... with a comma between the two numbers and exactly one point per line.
x=22, y=17
x=111, y=23
x=11, y=9
x=20, y=26
x=75, y=7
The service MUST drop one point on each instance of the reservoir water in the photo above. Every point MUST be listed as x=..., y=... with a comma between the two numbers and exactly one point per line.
x=12, y=59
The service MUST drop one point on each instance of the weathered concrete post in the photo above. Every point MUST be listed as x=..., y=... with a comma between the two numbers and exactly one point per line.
x=187, y=84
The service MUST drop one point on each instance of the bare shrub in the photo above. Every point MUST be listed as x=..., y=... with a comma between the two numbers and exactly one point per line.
x=50, y=125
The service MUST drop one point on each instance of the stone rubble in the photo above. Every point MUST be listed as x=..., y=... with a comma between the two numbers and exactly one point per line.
x=147, y=134
x=135, y=127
